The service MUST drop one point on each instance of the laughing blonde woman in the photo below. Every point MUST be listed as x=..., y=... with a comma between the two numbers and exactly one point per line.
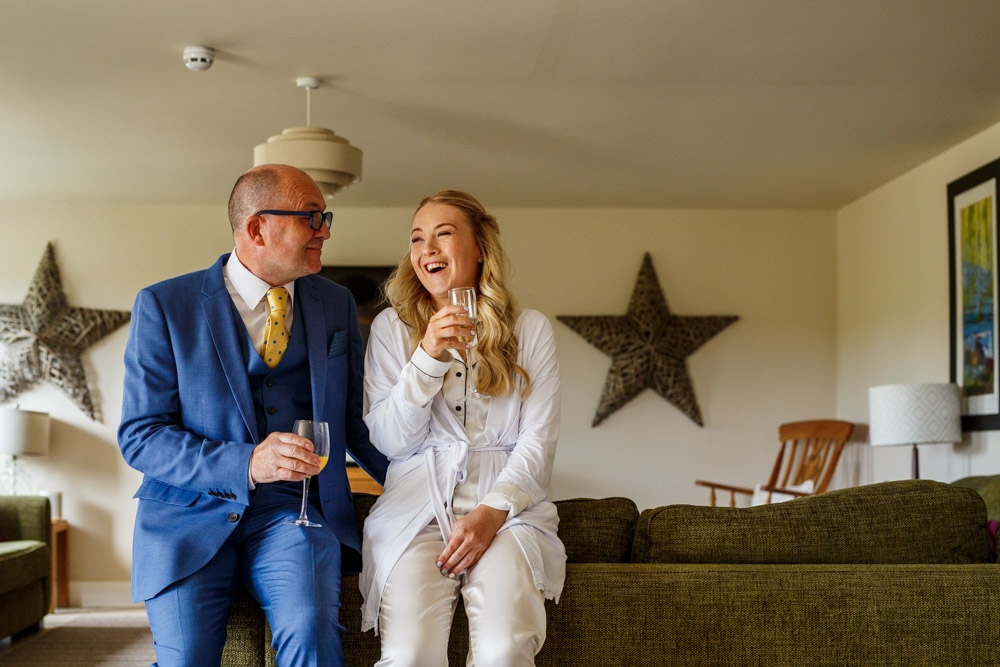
x=465, y=510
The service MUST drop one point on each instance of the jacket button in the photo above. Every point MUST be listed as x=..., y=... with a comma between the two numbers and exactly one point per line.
x=271, y=411
x=233, y=517
x=269, y=383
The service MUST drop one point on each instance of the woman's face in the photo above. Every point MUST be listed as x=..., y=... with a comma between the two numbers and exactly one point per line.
x=443, y=250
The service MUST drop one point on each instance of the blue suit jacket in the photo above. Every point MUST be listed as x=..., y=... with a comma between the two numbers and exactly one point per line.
x=188, y=420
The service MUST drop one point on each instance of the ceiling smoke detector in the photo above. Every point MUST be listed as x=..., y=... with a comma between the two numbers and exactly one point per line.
x=198, y=58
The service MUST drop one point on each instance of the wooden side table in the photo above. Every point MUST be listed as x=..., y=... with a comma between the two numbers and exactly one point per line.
x=361, y=482
x=59, y=594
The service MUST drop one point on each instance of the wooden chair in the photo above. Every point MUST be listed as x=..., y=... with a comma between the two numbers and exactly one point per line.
x=809, y=452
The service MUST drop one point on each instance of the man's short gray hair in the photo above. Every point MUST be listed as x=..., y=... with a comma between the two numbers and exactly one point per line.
x=251, y=193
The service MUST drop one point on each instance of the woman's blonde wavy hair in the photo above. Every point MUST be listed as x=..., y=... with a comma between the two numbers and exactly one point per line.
x=497, y=349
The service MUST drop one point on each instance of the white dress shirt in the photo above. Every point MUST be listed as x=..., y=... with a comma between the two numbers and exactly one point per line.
x=248, y=293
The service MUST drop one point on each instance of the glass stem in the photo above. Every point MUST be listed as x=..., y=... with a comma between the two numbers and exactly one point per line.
x=471, y=371
x=305, y=498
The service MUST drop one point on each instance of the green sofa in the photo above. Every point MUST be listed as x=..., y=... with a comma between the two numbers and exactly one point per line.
x=988, y=486
x=896, y=573
x=25, y=563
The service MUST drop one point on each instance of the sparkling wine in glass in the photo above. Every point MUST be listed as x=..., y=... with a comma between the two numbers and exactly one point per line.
x=466, y=296
x=319, y=434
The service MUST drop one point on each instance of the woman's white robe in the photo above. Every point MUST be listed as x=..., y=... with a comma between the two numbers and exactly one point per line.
x=428, y=451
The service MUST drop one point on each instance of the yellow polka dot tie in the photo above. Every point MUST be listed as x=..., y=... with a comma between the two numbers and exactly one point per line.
x=275, y=332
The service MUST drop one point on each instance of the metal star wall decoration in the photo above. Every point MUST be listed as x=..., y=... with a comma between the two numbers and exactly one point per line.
x=648, y=346
x=44, y=337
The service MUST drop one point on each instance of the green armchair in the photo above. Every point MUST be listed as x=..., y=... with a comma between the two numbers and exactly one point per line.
x=25, y=563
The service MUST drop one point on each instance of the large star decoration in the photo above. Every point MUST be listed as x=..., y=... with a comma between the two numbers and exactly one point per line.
x=648, y=346
x=44, y=337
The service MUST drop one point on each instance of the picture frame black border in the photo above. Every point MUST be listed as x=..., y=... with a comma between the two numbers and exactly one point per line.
x=989, y=421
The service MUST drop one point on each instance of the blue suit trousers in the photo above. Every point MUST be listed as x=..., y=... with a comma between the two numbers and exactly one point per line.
x=280, y=565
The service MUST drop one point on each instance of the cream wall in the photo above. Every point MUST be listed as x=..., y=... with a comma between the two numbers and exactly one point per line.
x=775, y=270
x=893, y=306
x=829, y=304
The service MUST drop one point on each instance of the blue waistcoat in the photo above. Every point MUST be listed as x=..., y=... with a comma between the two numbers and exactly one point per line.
x=281, y=394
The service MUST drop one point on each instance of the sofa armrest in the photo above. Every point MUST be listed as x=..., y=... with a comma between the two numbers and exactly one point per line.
x=26, y=518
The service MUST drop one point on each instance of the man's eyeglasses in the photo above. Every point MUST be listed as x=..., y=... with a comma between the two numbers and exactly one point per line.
x=316, y=218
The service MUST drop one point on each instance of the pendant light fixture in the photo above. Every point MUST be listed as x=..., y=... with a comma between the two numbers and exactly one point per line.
x=330, y=160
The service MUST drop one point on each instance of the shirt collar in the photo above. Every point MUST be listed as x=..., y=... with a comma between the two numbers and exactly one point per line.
x=250, y=288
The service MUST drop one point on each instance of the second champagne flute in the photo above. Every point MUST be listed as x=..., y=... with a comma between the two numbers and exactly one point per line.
x=319, y=434
x=466, y=296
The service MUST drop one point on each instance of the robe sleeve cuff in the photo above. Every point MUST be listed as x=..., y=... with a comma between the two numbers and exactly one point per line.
x=505, y=496
x=428, y=365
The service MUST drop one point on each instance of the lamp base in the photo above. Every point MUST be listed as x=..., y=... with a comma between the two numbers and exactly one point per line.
x=14, y=479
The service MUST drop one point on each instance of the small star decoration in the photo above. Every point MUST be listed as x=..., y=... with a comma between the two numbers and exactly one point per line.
x=648, y=347
x=44, y=337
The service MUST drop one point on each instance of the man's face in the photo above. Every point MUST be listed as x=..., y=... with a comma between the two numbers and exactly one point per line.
x=291, y=248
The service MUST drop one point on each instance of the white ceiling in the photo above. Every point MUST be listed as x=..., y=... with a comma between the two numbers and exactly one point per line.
x=645, y=103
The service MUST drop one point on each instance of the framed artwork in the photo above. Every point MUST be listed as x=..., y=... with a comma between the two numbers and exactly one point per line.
x=365, y=283
x=973, y=271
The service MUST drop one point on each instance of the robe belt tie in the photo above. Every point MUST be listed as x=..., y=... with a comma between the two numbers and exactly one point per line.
x=458, y=462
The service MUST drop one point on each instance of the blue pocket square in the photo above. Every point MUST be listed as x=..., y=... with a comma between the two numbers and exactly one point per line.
x=338, y=345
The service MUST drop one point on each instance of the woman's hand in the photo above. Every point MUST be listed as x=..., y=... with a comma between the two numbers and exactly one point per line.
x=444, y=330
x=471, y=536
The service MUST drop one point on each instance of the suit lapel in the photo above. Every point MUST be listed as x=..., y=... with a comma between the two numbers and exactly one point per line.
x=217, y=307
x=314, y=318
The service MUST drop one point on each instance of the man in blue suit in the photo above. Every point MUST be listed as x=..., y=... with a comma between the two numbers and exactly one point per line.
x=208, y=422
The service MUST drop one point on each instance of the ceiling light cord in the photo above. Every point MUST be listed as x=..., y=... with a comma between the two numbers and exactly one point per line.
x=308, y=82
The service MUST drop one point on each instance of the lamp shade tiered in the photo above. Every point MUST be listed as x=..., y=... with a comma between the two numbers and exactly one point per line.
x=914, y=414
x=329, y=160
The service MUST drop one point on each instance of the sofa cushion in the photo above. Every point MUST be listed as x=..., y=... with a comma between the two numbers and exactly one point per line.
x=597, y=530
x=22, y=562
x=912, y=521
x=362, y=506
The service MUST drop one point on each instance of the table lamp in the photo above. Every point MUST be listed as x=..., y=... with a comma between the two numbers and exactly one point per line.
x=22, y=433
x=913, y=414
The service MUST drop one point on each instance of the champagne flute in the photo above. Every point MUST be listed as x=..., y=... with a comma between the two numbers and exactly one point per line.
x=466, y=296
x=319, y=434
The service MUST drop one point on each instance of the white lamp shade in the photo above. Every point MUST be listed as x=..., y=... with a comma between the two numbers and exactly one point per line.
x=329, y=160
x=24, y=433
x=905, y=414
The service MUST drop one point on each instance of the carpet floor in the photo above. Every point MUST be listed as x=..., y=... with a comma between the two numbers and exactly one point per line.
x=95, y=638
